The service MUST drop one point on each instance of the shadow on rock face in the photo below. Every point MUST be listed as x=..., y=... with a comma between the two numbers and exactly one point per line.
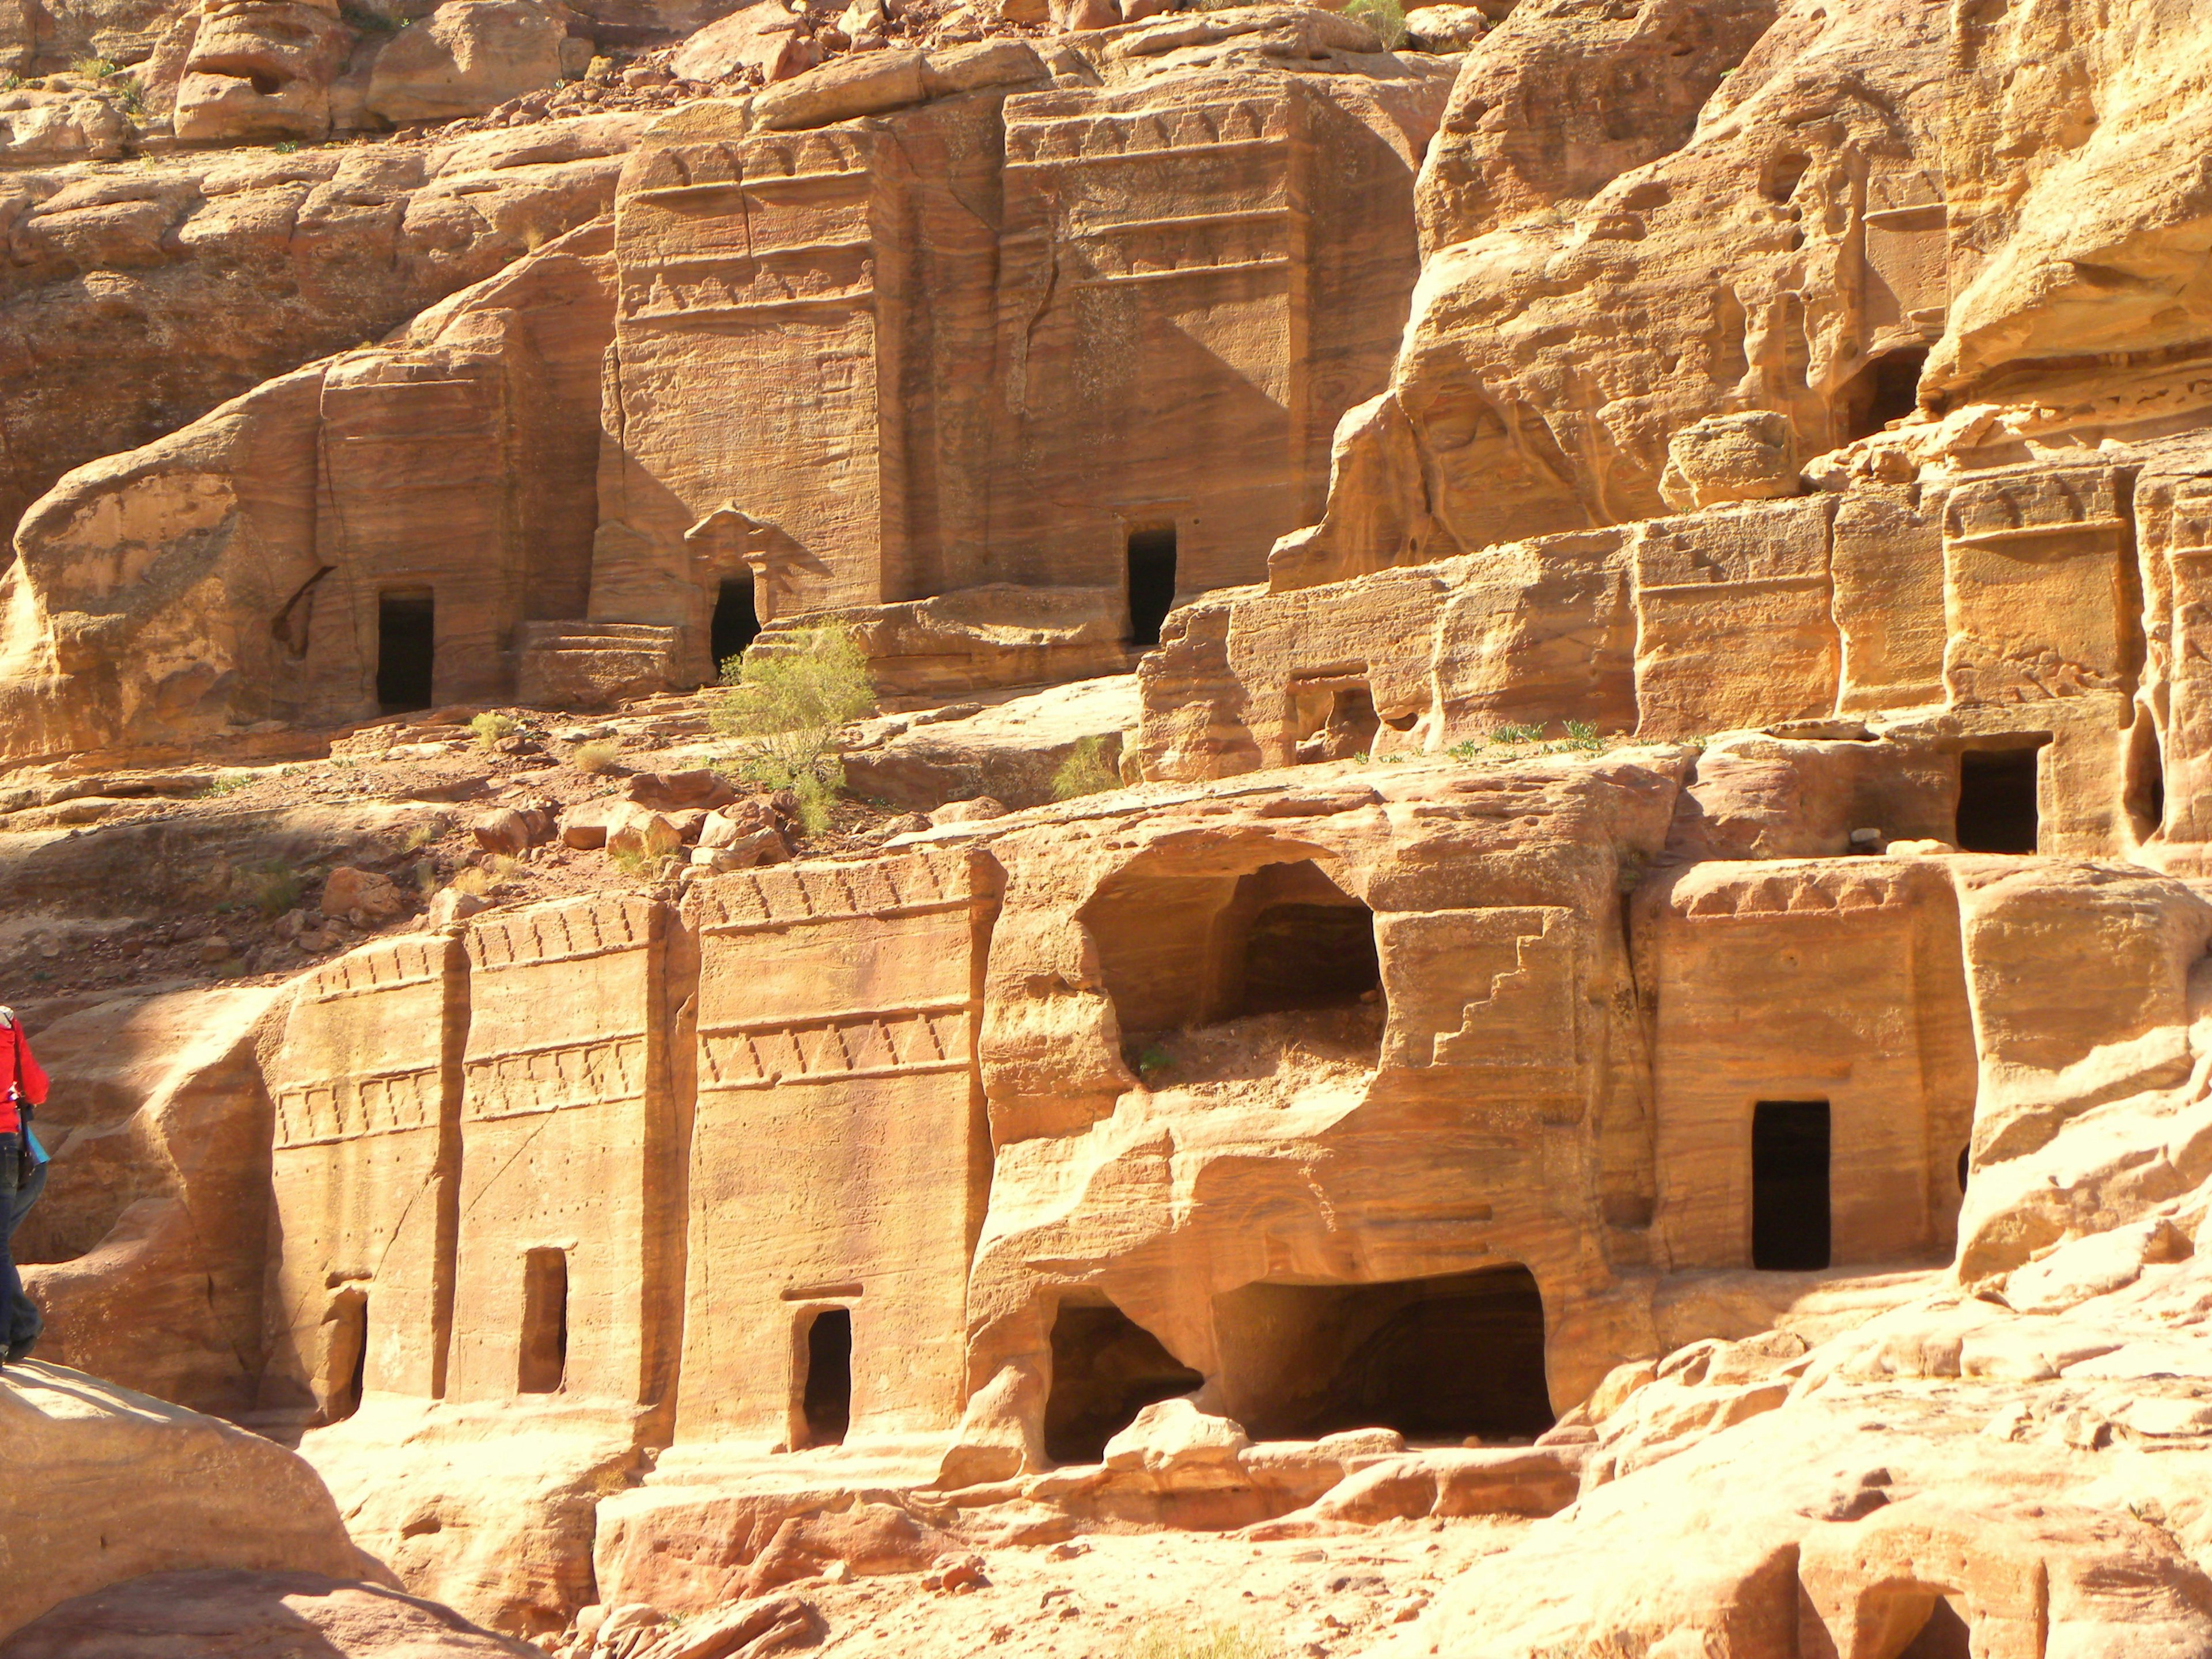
x=265, y=1615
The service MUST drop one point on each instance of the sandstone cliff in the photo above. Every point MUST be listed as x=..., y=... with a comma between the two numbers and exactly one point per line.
x=1580, y=1028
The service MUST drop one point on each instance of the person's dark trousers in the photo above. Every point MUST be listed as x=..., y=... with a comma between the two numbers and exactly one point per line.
x=11, y=1282
x=21, y=1322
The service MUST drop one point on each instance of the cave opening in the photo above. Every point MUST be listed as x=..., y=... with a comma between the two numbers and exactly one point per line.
x=406, y=649
x=1186, y=952
x=1790, y=1154
x=1943, y=1635
x=1151, y=581
x=826, y=1396
x=736, y=624
x=1333, y=720
x=542, y=1364
x=1453, y=1357
x=1106, y=1367
x=1887, y=389
x=1308, y=956
x=1997, y=800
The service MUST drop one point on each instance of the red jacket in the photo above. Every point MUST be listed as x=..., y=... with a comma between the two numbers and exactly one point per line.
x=21, y=1076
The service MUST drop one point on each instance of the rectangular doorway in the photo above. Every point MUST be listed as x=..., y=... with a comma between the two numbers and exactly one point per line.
x=406, y=649
x=544, y=1362
x=826, y=1399
x=1151, y=582
x=1997, y=800
x=1789, y=1205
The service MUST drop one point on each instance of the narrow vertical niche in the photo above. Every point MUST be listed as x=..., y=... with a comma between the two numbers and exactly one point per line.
x=737, y=621
x=1151, y=582
x=1790, y=1201
x=406, y=649
x=826, y=1399
x=544, y=1365
x=345, y=1363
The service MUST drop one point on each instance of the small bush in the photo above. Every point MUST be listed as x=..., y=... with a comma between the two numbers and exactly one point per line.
x=1163, y=1641
x=788, y=707
x=594, y=757
x=1085, y=772
x=95, y=68
x=1153, y=1061
x=1583, y=735
x=229, y=786
x=491, y=725
x=286, y=147
x=473, y=881
x=276, y=887
x=1385, y=17
x=419, y=836
x=1517, y=734
x=1468, y=750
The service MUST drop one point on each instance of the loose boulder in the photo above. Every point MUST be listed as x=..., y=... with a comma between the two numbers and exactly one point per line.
x=465, y=57
x=104, y=1484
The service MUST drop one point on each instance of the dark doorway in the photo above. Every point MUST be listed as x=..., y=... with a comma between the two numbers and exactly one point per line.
x=346, y=1365
x=1789, y=1185
x=1997, y=800
x=1309, y=956
x=1452, y=1357
x=827, y=1398
x=1106, y=1367
x=1887, y=389
x=406, y=649
x=1151, y=582
x=737, y=623
x=544, y=1362
x=1965, y=1159
x=1945, y=1636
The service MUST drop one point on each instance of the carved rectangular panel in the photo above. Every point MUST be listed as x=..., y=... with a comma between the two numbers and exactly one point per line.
x=568, y=1138
x=2035, y=586
x=1735, y=625
x=838, y=1139
x=1826, y=980
x=363, y=1165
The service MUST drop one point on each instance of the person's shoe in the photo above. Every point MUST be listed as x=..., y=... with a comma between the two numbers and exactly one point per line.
x=21, y=1351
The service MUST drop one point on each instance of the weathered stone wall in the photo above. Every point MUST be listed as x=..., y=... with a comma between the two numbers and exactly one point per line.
x=365, y=1084
x=2026, y=605
x=570, y=1139
x=837, y=1084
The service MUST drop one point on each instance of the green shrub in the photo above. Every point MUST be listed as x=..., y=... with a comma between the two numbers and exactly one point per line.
x=788, y=706
x=227, y=786
x=1085, y=772
x=1517, y=734
x=1385, y=17
x=95, y=68
x=1583, y=735
x=491, y=725
x=276, y=887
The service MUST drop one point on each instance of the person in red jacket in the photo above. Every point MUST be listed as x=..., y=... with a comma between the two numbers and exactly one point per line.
x=22, y=1091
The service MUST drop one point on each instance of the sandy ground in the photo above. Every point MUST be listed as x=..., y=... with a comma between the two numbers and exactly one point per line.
x=1110, y=1593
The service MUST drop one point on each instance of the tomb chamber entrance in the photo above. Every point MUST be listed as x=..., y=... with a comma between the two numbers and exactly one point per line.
x=1448, y=1358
